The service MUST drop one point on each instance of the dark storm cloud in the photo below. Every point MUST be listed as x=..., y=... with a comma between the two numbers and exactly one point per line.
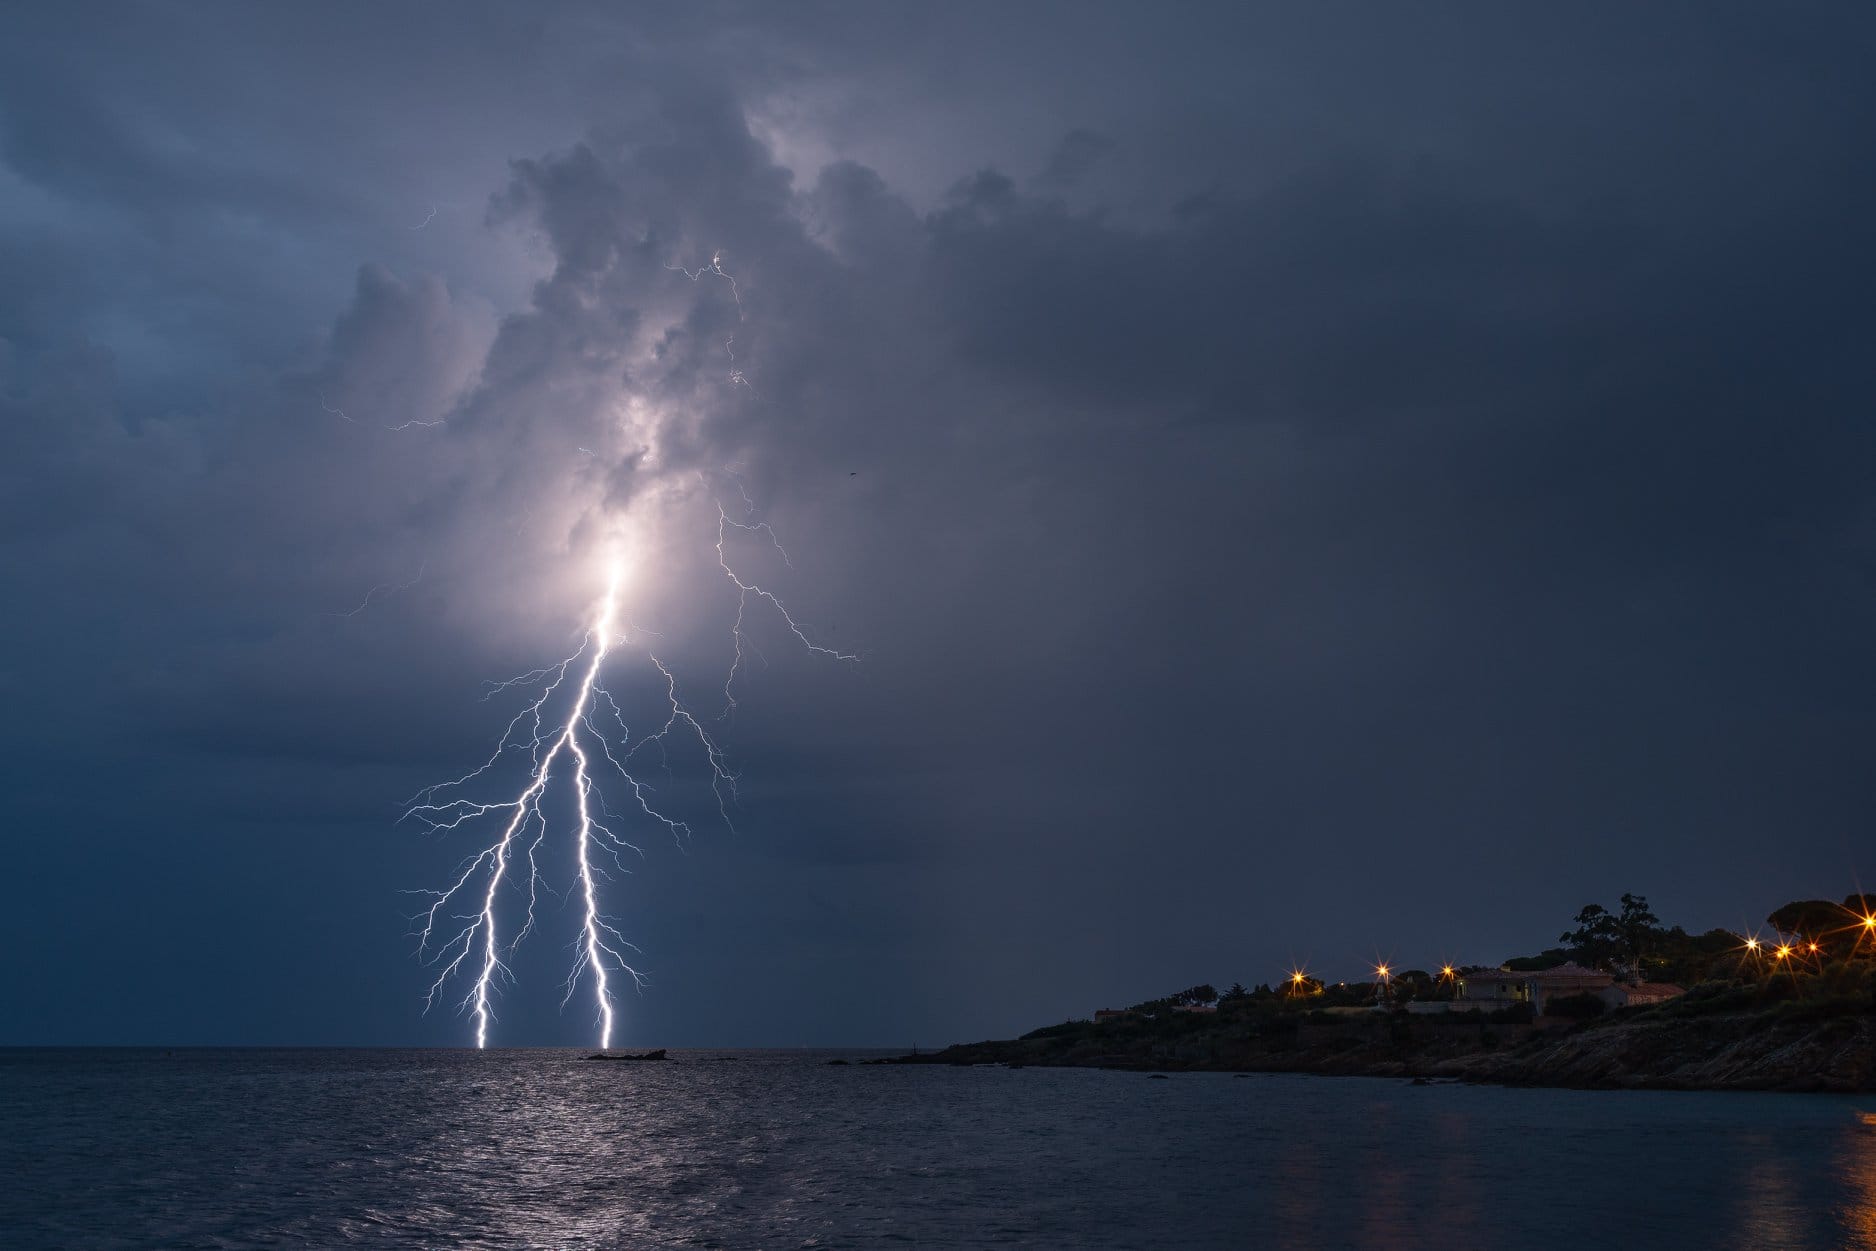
x=1299, y=486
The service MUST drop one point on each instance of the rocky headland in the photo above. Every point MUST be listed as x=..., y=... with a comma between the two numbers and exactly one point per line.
x=1710, y=1043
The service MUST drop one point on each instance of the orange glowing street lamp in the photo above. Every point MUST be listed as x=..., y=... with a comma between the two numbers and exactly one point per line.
x=1754, y=951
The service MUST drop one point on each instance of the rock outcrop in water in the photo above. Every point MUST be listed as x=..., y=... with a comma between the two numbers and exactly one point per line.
x=648, y=1055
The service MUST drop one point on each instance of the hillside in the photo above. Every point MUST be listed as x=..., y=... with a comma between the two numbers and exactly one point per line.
x=1708, y=1042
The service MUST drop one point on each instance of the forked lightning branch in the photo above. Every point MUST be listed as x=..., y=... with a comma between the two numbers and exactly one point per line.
x=575, y=736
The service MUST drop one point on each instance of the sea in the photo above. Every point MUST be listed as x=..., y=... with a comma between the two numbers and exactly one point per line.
x=783, y=1149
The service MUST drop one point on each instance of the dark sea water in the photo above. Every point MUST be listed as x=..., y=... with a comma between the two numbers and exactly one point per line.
x=540, y=1149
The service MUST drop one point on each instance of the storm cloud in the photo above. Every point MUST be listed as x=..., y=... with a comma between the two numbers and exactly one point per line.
x=1302, y=488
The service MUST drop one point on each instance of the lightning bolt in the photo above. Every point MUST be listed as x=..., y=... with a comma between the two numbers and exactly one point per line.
x=442, y=807
x=747, y=590
x=388, y=588
x=565, y=732
x=714, y=267
x=412, y=424
x=736, y=376
x=331, y=411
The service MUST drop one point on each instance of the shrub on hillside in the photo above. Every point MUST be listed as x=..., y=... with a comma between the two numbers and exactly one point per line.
x=1576, y=1007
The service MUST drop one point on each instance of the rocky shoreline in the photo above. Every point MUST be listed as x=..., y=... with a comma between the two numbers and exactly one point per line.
x=1639, y=1050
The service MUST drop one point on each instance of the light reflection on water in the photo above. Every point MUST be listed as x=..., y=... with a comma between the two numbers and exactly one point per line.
x=1859, y=1182
x=541, y=1149
x=1770, y=1214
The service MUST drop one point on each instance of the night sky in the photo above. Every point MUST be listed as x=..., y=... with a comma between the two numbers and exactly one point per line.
x=1305, y=484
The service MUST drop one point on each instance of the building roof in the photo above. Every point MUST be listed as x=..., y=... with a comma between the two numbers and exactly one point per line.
x=1492, y=975
x=1559, y=973
x=1570, y=970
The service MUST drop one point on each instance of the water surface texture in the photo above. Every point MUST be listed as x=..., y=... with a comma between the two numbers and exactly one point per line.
x=541, y=1149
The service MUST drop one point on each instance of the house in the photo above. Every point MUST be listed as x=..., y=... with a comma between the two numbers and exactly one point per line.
x=1111, y=1014
x=1498, y=988
x=1638, y=994
x=1195, y=1007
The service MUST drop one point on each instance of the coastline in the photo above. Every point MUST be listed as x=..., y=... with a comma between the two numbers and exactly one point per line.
x=1642, y=1050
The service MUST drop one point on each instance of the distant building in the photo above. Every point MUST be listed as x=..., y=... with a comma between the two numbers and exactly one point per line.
x=1195, y=1007
x=1638, y=994
x=1111, y=1014
x=1486, y=989
x=1498, y=988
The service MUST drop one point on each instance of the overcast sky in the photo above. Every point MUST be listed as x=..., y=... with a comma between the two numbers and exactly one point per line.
x=1304, y=484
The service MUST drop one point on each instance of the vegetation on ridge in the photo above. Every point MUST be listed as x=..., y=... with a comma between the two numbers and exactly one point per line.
x=1793, y=1007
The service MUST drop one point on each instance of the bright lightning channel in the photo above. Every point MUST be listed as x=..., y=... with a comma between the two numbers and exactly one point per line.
x=572, y=743
x=438, y=808
x=475, y=949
